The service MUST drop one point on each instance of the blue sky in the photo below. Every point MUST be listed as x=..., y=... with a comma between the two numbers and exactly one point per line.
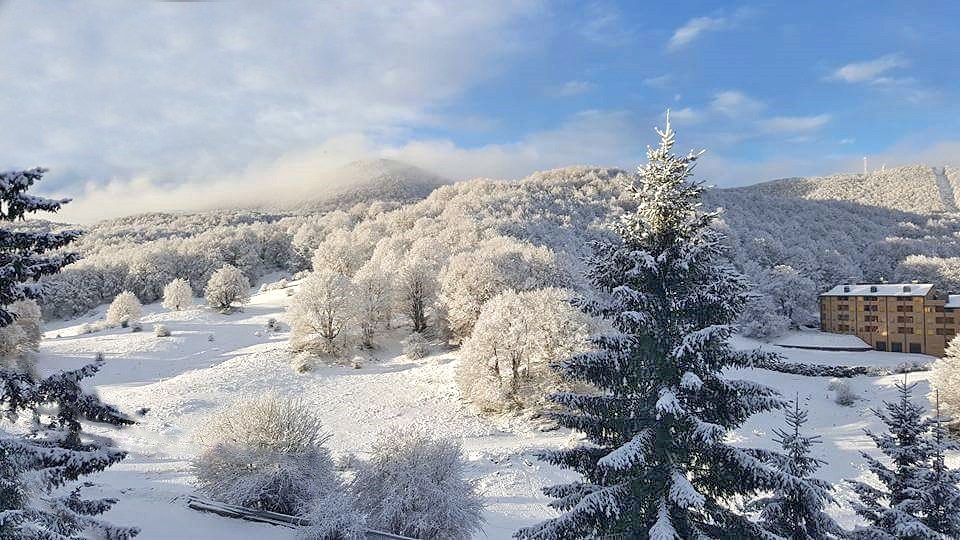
x=163, y=105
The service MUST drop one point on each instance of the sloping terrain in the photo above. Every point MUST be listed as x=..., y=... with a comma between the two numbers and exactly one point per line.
x=184, y=378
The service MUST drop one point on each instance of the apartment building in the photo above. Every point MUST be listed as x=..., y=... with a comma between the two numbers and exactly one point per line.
x=895, y=317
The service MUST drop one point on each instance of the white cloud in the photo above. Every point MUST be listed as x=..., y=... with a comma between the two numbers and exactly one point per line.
x=573, y=88
x=735, y=103
x=183, y=91
x=869, y=71
x=795, y=124
x=693, y=29
x=685, y=116
x=698, y=26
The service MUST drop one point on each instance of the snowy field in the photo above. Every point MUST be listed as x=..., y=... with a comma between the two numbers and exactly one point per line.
x=184, y=378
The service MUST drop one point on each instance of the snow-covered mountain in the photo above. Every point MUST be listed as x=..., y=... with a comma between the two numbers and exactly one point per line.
x=913, y=188
x=374, y=180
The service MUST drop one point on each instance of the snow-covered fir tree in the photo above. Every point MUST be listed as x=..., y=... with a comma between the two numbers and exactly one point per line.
x=940, y=485
x=33, y=465
x=798, y=514
x=657, y=463
x=894, y=509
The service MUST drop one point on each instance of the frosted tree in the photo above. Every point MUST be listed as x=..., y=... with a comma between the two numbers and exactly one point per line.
x=226, y=287
x=945, y=379
x=894, y=510
x=497, y=265
x=939, y=485
x=371, y=302
x=20, y=337
x=321, y=313
x=658, y=463
x=35, y=469
x=124, y=310
x=177, y=295
x=505, y=361
x=413, y=485
x=798, y=514
x=792, y=292
x=415, y=283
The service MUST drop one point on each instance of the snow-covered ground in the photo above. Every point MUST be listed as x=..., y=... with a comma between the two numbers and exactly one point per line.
x=184, y=378
x=814, y=339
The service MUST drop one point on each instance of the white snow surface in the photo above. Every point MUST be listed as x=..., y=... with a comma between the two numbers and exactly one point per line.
x=823, y=340
x=184, y=378
x=880, y=289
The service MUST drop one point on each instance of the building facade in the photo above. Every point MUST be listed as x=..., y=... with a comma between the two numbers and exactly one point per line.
x=895, y=317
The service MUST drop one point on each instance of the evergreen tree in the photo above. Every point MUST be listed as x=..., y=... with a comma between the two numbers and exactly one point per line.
x=52, y=454
x=657, y=464
x=793, y=514
x=939, y=491
x=894, y=510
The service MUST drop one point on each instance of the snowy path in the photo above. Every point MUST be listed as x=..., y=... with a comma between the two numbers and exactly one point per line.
x=946, y=189
x=185, y=378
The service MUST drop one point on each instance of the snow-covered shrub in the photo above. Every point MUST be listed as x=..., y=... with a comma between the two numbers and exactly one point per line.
x=842, y=393
x=21, y=336
x=415, y=346
x=124, y=310
x=265, y=453
x=273, y=325
x=177, y=295
x=161, y=330
x=303, y=362
x=945, y=380
x=276, y=285
x=320, y=314
x=505, y=362
x=497, y=265
x=413, y=485
x=227, y=286
x=334, y=517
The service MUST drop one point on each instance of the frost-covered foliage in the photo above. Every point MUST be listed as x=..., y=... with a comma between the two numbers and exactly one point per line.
x=499, y=264
x=895, y=509
x=161, y=330
x=798, y=514
x=266, y=453
x=761, y=320
x=843, y=394
x=226, y=287
x=416, y=346
x=945, y=378
x=177, y=295
x=658, y=410
x=321, y=313
x=334, y=517
x=21, y=336
x=505, y=361
x=340, y=253
x=38, y=469
x=413, y=485
x=371, y=302
x=939, y=484
x=415, y=281
x=124, y=310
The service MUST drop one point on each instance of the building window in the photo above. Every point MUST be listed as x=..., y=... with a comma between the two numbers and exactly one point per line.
x=946, y=331
x=904, y=330
x=916, y=348
x=896, y=347
x=881, y=345
x=905, y=309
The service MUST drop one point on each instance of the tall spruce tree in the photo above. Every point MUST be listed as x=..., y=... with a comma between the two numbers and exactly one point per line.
x=657, y=464
x=792, y=513
x=940, y=485
x=34, y=463
x=894, y=511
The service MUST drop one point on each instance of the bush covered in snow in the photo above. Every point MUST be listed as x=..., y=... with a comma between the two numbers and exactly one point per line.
x=321, y=314
x=413, y=485
x=265, y=453
x=334, y=517
x=227, y=286
x=415, y=346
x=303, y=362
x=945, y=379
x=842, y=393
x=497, y=265
x=177, y=295
x=21, y=336
x=505, y=362
x=161, y=330
x=124, y=310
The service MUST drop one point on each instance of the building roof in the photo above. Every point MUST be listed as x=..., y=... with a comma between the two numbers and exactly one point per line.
x=882, y=289
x=953, y=301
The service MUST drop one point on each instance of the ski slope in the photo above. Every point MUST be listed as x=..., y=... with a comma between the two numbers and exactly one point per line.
x=184, y=378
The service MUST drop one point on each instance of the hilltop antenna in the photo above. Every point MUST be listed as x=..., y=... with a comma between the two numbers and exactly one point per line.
x=864, y=164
